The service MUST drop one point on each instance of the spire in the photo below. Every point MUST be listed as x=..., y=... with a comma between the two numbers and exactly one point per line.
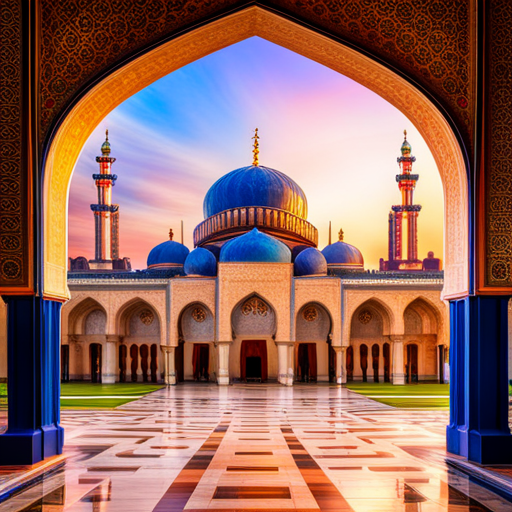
x=171, y=234
x=256, y=149
x=340, y=235
x=105, y=147
x=330, y=233
x=406, y=147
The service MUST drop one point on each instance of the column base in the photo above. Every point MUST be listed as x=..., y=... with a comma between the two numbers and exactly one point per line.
x=108, y=379
x=490, y=448
x=223, y=381
x=457, y=440
x=25, y=448
x=398, y=379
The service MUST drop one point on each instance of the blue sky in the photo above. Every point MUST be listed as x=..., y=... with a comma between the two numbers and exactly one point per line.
x=336, y=139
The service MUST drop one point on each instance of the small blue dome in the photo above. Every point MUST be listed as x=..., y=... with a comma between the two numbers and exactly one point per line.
x=167, y=254
x=255, y=247
x=343, y=255
x=310, y=262
x=255, y=186
x=298, y=249
x=200, y=262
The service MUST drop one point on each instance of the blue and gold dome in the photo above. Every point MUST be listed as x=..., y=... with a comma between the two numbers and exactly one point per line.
x=310, y=262
x=255, y=185
x=200, y=262
x=255, y=247
x=343, y=255
x=167, y=254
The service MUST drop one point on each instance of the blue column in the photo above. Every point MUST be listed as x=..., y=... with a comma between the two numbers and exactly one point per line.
x=479, y=399
x=33, y=381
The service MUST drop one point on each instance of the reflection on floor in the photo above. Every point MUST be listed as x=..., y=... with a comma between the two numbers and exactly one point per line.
x=199, y=447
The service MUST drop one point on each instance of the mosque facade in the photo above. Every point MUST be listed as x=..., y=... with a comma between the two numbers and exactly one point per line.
x=255, y=300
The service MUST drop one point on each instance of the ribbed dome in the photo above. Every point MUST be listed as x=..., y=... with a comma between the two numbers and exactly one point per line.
x=310, y=262
x=167, y=254
x=255, y=247
x=200, y=262
x=255, y=186
x=343, y=255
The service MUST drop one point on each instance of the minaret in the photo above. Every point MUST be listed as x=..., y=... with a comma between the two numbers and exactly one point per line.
x=106, y=214
x=403, y=226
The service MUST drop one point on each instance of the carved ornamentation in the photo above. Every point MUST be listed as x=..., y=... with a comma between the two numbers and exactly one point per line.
x=14, y=236
x=86, y=115
x=428, y=41
x=310, y=314
x=199, y=314
x=146, y=317
x=365, y=317
x=254, y=306
x=499, y=182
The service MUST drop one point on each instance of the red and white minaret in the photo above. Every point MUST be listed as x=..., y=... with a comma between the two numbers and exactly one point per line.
x=106, y=214
x=403, y=219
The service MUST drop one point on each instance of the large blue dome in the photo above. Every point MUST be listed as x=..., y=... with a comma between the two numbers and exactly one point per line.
x=255, y=186
x=344, y=255
x=167, y=254
x=200, y=262
x=310, y=262
x=255, y=247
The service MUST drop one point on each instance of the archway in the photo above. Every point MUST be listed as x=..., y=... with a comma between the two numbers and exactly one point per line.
x=82, y=344
x=139, y=328
x=194, y=357
x=370, y=326
x=313, y=331
x=109, y=92
x=253, y=355
x=422, y=328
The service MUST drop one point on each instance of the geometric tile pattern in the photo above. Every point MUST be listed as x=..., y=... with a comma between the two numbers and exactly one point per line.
x=256, y=447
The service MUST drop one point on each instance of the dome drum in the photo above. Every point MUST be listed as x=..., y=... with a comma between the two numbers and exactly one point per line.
x=280, y=223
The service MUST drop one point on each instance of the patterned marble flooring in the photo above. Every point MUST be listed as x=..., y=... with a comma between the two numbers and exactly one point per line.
x=255, y=447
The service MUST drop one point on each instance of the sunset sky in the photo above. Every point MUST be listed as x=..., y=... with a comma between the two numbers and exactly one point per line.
x=338, y=140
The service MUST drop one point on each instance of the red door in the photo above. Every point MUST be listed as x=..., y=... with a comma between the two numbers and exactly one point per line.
x=253, y=360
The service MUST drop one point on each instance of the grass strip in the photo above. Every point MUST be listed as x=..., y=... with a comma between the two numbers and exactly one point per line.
x=417, y=396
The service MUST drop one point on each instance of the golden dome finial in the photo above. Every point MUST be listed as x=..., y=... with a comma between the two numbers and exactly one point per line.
x=405, y=134
x=105, y=147
x=171, y=234
x=256, y=149
x=340, y=235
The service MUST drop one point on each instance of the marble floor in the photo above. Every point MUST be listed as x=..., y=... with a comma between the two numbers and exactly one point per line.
x=199, y=447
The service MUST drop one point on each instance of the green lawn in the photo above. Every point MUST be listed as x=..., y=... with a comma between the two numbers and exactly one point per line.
x=413, y=392
x=123, y=394
x=82, y=389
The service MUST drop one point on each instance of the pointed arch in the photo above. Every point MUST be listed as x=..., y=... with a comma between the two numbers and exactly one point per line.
x=127, y=310
x=270, y=312
x=375, y=305
x=431, y=317
x=209, y=318
x=79, y=313
x=119, y=83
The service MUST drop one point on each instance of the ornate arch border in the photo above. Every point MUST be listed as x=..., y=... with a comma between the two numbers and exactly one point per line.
x=122, y=83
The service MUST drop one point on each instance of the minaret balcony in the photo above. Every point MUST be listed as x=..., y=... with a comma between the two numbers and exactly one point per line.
x=407, y=177
x=273, y=221
x=110, y=177
x=406, y=208
x=105, y=207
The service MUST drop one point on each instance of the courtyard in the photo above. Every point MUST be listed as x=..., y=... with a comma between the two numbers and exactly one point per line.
x=254, y=447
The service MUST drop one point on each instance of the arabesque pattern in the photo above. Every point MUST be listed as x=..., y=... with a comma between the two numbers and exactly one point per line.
x=426, y=40
x=499, y=182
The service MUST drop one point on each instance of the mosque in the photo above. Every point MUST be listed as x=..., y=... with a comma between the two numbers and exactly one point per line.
x=256, y=300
